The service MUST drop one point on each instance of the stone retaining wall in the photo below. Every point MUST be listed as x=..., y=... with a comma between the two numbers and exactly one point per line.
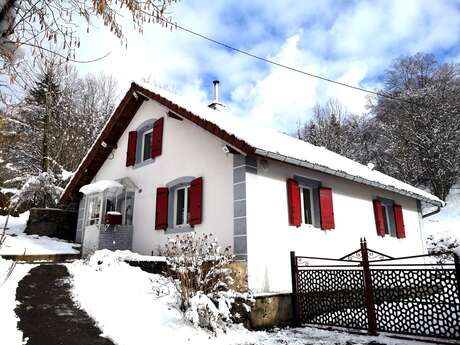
x=52, y=222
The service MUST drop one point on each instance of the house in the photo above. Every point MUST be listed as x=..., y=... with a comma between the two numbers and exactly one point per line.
x=163, y=166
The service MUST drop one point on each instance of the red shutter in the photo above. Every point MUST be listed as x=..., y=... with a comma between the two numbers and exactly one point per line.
x=196, y=201
x=157, y=137
x=131, y=152
x=326, y=207
x=399, y=221
x=379, y=224
x=161, y=214
x=293, y=192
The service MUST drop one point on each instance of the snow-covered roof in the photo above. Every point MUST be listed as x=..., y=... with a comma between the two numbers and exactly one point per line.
x=99, y=186
x=251, y=139
x=282, y=147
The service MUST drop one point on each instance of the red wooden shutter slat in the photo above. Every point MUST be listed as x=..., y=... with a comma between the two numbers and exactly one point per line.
x=326, y=208
x=161, y=214
x=379, y=224
x=294, y=202
x=131, y=151
x=196, y=201
x=157, y=137
x=399, y=221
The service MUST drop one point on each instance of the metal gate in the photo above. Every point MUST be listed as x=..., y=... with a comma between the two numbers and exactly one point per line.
x=414, y=295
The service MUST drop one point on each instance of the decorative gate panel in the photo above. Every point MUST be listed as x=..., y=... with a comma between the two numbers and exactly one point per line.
x=420, y=299
x=417, y=301
x=332, y=298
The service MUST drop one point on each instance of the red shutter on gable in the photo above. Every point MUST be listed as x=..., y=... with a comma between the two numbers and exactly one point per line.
x=157, y=137
x=196, y=201
x=161, y=214
x=131, y=151
x=294, y=211
x=326, y=207
x=379, y=224
x=399, y=221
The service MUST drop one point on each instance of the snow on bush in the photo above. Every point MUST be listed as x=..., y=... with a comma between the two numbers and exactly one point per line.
x=41, y=190
x=443, y=241
x=199, y=269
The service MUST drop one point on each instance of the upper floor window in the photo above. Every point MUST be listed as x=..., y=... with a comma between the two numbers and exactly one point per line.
x=146, y=149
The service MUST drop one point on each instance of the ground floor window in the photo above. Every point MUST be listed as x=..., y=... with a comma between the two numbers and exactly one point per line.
x=181, y=206
x=93, y=215
x=121, y=201
x=306, y=196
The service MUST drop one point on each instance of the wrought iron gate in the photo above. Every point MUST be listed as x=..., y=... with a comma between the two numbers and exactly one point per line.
x=376, y=292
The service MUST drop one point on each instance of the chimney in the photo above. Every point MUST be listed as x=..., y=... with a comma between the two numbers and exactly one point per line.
x=215, y=104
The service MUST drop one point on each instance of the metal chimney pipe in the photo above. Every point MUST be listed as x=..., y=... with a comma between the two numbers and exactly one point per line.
x=216, y=105
x=216, y=91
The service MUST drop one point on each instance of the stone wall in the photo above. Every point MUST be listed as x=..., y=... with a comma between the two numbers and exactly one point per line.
x=271, y=311
x=52, y=222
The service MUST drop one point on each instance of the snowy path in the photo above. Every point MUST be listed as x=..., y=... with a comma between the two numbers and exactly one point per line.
x=47, y=313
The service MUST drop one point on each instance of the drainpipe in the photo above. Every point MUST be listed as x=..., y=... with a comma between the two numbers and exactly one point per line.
x=432, y=212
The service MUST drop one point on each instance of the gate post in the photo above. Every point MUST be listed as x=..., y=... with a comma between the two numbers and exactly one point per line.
x=368, y=290
x=294, y=299
x=457, y=270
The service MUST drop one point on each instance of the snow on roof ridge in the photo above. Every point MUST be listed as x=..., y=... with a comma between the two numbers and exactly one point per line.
x=271, y=143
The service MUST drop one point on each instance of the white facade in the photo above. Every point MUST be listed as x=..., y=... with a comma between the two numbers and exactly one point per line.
x=270, y=238
x=189, y=150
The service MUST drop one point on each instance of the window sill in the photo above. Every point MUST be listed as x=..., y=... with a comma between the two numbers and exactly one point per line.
x=179, y=229
x=144, y=163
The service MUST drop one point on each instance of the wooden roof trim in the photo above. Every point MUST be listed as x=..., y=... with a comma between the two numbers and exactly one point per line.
x=207, y=125
x=97, y=152
x=119, y=121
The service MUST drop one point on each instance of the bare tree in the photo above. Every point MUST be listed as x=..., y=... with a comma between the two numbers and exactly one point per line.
x=421, y=131
x=39, y=26
x=57, y=121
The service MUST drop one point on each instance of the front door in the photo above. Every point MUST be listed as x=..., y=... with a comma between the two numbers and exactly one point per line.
x=92, y=224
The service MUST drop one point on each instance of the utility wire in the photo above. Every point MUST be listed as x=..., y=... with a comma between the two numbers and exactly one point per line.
x=377, y=93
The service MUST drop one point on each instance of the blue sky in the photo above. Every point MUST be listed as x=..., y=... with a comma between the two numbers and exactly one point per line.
x=350, y=41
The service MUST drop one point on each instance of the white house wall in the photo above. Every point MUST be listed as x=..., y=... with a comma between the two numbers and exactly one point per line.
x=270, y=238
x=188, y=150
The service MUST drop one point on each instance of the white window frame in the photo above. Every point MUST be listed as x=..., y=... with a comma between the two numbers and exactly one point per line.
x=143, y=144
x=92, y=198
x=186, y=189
x=387, y=216
x=302, y=206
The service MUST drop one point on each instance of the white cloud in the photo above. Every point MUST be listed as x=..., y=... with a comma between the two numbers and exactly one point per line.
x=352, y=42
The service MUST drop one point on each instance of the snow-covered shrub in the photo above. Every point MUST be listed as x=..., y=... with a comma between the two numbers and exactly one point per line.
x=442, y=242
x=199, y=269
x=41, y=190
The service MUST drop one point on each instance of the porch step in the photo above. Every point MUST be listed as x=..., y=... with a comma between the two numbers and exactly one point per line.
x=43, y=258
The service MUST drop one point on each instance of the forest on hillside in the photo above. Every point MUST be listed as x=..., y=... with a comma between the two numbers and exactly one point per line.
x=411, y=130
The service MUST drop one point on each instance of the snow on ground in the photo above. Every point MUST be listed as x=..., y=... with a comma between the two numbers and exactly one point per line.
x=36, y=245
x=132, y=307
x=18, y=243
x=9, y=332
x=444, y=227
x=16, y=225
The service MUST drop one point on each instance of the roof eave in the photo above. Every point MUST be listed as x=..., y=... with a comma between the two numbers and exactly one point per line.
x=317, y=167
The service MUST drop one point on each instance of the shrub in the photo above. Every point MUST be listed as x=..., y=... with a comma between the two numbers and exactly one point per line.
x=199, y=269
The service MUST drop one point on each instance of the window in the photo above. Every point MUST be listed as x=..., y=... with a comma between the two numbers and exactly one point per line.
x=147, y=145
x=306, y=196
x=388, y=216
x=93, y=215
x=181, y=206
